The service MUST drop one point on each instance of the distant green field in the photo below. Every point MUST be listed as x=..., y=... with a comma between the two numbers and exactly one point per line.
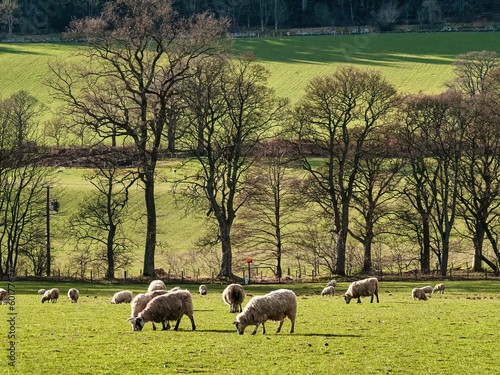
x=452, y=333
x=413, y=62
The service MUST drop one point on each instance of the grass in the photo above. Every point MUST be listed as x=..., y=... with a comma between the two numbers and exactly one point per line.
x=450, y=333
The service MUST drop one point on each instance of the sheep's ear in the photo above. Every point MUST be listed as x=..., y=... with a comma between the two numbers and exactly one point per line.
x=131, y=319
x=235, y=322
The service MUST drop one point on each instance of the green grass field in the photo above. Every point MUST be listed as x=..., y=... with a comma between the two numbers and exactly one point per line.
x=452, y=333
x=413, y=62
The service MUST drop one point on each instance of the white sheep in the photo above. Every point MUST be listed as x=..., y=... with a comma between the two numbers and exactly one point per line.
x=51, y=295
x=362, y=288
x=4, y=296
x=41, y=292
x=276, y=306
x=203, y=290
x=332, y=283
x=418, y=294
x=439, y=288
x=162, y=309
x=122, y=297
x=141, y=301
x=427, y=289
x=328, y=291
x=73, y=295
x=174, y=289
x=233, y=295
x=156, y=285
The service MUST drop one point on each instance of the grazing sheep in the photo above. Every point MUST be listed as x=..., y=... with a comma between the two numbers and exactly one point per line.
x=276, y=306
x=203, y=290
x=234, y=295
x=174, y=289
x=141, y=301
x=332, y=283
x=41, y=292
x=156, y=285
x=73, y=295
x=51, y=295
x=122, y=297
x=418, y=294
x=4, y=296
x=328, y=291
x=362, y=288
x=427, y=289
x=438, y=287
x=162, y=309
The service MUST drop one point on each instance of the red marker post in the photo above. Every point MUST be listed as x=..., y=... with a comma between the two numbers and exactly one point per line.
x=248, y=260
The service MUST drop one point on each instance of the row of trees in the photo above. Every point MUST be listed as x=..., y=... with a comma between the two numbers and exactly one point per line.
x=43, y=17
x=387, y=165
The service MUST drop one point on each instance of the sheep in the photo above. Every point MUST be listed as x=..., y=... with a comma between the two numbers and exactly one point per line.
x=418, y=294
x=122, y=297
x=141, y=301
x=161, y=309
x=73, y=295
x=234, y=295
x=156, y=285
x=276, y=306
x=203, y=290
x=41, y=291
x=174, y=289
x=366, y=287
x=51, y=295
x=332, y=283
x=439, y=287
x=427, y=289
x=4, y=296
x=328, y=291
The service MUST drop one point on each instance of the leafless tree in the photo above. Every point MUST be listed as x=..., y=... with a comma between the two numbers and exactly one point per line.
x=140, y=50
x=338, y=115
x=230, y=133
x=472, y=70
x=8, y=10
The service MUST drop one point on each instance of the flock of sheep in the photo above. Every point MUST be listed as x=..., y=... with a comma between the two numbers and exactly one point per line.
x=160, y=305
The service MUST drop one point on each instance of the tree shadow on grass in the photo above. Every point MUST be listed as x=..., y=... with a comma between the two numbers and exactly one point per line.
x=13, y=50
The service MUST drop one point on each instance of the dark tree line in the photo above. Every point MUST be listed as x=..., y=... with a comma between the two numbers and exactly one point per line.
x=44, y=17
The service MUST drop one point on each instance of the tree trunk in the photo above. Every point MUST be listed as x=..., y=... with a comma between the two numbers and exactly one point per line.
x=341, y=238
x=425, y=259
x=477, y=265
x=367, y=262
x=444, y=258
x=149, y=254
x=110, y=272
x=227, y=256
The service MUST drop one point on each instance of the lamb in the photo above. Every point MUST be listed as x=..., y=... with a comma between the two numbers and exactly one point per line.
x=276, y=306
x=51, y=295
x=4, y=296
x=141, y=301
x=328, y=291
x=332, y=283
x=366, y=287
x=203, y=290
x=41, y=292
x=418, y=294
x=161, y=309
x=427, y=289
x=122, y=297
x=73, y=295
x=234, y=295
x=156, y=285
x=439, y=287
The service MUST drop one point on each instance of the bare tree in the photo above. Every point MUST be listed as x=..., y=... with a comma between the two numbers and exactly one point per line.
x=338, y=115
x=472, y=70
x=8, y=10
x=230, y=133
x=99, y=220
x=140, y=51
x=56, y=129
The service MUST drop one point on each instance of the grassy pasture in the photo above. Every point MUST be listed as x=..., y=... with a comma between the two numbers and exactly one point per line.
x=413, y=62
x=453, y=333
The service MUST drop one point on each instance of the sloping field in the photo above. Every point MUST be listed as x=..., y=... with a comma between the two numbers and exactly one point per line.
x=413, y=62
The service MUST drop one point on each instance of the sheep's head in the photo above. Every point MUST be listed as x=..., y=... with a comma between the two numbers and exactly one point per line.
x=137, y=323
x=240, y=327
x=347, y=298
x=44, y=299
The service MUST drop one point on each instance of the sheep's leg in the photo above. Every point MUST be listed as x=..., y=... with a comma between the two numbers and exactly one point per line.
x=359, y=299
x=192, y=323
x=280, y=324
x=164, y=326
x=371, y=301
x=242, y=310
x=263, y=328
x=154, y=327
x=177, y=325
x=293, y=325
x=376, y=294
x=257, y=326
